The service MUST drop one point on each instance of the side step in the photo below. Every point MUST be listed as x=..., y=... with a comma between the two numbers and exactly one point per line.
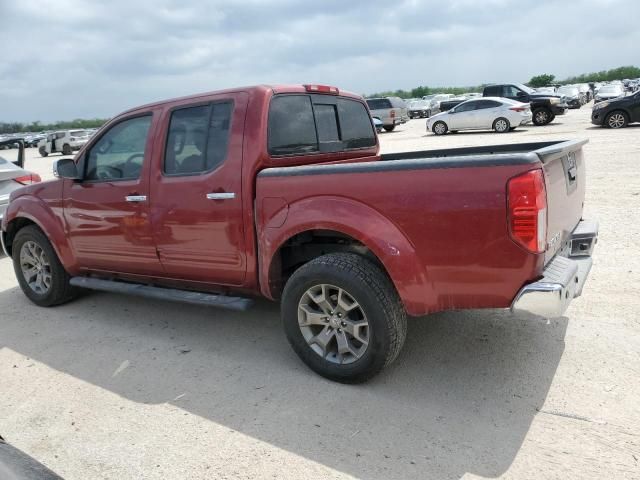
x=160, y=293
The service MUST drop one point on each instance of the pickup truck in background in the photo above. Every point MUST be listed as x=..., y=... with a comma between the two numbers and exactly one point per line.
x=391, y=111
x=544, y=107
x=217, y=198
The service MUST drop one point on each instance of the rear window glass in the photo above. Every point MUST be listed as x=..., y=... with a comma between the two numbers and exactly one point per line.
x=299, y=125
x=492, y=91
x=378, y=103
x=291, y=125
x=355, y=125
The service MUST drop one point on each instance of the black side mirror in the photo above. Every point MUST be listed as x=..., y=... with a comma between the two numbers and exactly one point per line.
x=66, y=168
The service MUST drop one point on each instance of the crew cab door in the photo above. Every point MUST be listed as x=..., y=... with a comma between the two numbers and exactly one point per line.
x=196, y=191
x=107, y=211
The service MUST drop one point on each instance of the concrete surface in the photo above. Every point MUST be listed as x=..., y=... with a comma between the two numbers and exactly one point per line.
x=118, y=387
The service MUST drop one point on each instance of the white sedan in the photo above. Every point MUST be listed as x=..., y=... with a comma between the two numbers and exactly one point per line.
x=499, y=114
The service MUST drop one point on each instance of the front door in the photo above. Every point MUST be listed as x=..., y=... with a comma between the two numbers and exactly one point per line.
x=107, y=212
x=196, y=191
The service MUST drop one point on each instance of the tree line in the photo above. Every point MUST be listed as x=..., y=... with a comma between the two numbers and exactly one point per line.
x=17, y=127
x=619, y=73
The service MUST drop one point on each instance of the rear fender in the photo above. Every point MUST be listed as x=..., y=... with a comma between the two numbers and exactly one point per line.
x=35, y=210
x=362, y=223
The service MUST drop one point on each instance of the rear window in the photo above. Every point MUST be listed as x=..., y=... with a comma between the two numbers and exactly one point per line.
x=492, y=91
x=378, y=103
x=300, y=124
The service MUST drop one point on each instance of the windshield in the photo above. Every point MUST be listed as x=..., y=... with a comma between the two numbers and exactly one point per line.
x=611, y=89
x=525, y=88
x=568, y=91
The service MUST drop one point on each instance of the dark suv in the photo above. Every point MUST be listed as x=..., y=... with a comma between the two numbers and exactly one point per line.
x=618, y=112
x=544, y=107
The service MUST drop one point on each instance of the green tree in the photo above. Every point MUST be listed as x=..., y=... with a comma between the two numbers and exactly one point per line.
x=541, y=80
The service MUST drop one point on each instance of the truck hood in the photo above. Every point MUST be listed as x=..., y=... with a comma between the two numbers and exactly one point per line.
x=543, y=96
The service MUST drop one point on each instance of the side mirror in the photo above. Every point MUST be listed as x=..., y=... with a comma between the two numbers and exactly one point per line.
x=66, y=168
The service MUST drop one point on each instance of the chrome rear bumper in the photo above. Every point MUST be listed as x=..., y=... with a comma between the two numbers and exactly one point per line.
x=564, y=277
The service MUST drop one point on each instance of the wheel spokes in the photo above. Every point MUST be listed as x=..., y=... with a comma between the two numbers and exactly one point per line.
x=312, y=317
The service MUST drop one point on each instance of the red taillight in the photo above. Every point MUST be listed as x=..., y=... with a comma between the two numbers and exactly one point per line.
x=28, y=179
x=527, y=205
x=393, y=113
x=322, y=89
x=518, y=109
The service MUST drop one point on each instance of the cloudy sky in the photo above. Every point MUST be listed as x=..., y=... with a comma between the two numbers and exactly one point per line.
x=65, y=59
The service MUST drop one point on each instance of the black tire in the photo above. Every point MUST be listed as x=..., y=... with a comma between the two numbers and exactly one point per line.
x=371, y=288
x=59, y=291
x=389, y=128
x=43, y=152
x=542, y=116
x=439, y=128
x=66, y=149
x=501, y=125
x=511, y=129
x=616, y=119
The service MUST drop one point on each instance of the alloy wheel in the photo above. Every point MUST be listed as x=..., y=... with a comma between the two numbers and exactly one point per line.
x=616, y=120
x=35, y=267
x=333, y=324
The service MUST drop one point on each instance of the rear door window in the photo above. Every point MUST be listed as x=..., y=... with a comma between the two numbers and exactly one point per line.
x=482, y=104
x=378, y=103
x=355, y=124
x=493, y=91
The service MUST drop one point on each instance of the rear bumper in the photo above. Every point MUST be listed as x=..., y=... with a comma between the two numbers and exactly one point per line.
x=563, y=278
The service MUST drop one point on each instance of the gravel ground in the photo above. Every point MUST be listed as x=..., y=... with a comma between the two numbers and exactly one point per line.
x=119, y=387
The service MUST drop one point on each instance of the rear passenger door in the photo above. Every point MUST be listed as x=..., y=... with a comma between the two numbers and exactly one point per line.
x=486, y=112
x=196, y=191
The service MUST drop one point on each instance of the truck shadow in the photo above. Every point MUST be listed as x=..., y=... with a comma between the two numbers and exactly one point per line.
x=460, y=398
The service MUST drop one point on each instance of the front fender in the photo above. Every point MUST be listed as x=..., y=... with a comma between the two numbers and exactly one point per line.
x=48, y=217
x=362, y=223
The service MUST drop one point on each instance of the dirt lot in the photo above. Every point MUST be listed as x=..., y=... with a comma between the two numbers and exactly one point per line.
x=119, y=387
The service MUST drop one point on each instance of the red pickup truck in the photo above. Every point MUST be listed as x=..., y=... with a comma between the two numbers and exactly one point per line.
x=279, y=191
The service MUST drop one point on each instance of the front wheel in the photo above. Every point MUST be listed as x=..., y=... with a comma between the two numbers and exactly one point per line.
x=66, y=149
x=43, y=152
x=343, y=317
x=440, y=128
x=616, y=120
x=501, y=125
x=542, y=116
x=40, y=274
x=389, y=128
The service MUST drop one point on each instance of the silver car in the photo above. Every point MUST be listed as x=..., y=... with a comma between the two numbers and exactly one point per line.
x=391, y=111
x=499, y=114
x=12, y=175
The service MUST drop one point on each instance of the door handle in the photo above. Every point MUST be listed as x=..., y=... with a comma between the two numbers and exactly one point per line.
x=221, y=196
x=136, y=198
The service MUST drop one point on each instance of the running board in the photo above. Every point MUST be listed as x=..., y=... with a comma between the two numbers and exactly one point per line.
x=160, y=293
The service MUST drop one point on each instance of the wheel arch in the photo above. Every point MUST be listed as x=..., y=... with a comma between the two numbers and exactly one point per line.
x=307, y=234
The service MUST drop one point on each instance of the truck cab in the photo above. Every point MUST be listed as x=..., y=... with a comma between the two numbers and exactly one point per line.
x=544, y=107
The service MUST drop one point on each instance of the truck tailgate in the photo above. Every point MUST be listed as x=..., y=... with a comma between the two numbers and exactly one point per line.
x=564, y=173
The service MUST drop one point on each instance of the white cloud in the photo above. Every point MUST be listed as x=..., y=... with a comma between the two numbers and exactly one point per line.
x=68, y=58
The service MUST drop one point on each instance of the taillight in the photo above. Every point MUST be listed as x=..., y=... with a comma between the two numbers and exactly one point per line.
x=28, y=179
x=527, y=205
x=519, y=109
x=393, y=113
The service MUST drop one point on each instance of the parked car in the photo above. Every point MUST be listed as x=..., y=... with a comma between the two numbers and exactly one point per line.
x=64, y=142
x=545, y=107
x=377, y=123
x=570, y=95
x=499, y=114
x=392, y=111
x=608, y=92
x=418, y=109
x=434, y=106
x=585, y=92
x=223, y=198
x=12, y=173
x=618, y=112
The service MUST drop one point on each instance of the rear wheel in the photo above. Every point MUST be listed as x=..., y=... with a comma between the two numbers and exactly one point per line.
x=40, y=274
x=389, y=128
x=43, y=152
x=501, y=125
x=66, y=149
x=542, y=116
x=343, y=317
x=439, y=128
x=616, y=119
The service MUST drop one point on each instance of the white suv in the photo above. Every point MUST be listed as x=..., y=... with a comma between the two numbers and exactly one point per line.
x=64, y=142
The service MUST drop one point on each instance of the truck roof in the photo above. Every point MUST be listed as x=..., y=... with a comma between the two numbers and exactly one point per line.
x=276, y=89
